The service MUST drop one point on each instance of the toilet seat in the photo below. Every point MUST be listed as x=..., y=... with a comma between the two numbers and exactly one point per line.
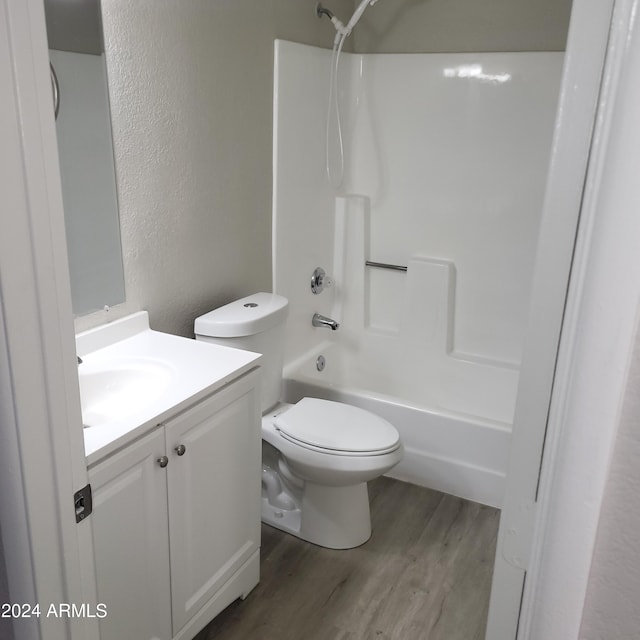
x=337, y=429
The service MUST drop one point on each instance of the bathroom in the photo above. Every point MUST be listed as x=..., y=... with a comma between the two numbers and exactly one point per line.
x=195, y=190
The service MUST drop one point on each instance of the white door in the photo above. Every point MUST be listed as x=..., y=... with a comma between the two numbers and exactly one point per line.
x=214, y=494
x=131, y=541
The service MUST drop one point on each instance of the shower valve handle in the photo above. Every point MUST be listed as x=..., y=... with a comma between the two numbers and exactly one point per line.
x=320, y=280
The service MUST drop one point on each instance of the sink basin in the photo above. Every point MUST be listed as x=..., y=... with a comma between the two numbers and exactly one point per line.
x=118, y=390
x=132, y=378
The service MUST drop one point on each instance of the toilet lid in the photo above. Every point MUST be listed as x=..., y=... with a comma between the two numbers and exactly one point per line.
x=338, y=427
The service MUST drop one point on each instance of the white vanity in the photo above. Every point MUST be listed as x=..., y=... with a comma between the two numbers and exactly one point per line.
x=175, y=477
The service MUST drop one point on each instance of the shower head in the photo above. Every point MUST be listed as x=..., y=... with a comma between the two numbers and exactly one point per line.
x=357, y=14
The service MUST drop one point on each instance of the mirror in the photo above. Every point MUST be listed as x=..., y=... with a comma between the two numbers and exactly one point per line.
x=87, y=170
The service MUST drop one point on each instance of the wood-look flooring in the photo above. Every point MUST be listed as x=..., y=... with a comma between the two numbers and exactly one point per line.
x=425, y=574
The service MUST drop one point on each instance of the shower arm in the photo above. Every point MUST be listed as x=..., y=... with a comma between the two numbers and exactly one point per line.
x=323, y=11
x=342, y=31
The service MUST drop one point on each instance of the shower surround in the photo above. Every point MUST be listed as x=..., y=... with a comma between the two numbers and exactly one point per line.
x=445, y=165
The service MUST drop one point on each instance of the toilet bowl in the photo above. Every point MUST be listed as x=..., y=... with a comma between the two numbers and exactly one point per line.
x=323, y=454
x=318, y=455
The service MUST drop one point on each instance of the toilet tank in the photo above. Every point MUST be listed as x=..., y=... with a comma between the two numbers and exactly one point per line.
x=255, y=323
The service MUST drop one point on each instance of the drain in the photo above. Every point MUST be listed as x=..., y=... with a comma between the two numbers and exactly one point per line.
x=320, y=363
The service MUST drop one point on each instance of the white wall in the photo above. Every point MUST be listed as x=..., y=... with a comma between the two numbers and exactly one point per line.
x=303, y=203
x=453, y=151
x=611, y=606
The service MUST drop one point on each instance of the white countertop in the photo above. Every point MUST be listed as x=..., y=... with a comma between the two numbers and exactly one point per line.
x=191, y=370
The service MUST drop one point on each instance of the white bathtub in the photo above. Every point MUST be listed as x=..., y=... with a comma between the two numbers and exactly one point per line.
x=458, y=453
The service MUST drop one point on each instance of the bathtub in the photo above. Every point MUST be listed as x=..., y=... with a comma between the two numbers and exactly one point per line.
x=458, y=452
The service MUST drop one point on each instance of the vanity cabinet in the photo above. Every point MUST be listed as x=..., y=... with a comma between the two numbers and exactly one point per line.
x=177, y=518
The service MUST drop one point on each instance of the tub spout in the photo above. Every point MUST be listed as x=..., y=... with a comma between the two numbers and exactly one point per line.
x=322, y=321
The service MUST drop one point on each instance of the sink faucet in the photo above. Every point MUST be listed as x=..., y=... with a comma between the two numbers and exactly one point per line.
x=323, y=321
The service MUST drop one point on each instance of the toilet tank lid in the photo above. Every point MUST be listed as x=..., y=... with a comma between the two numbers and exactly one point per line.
x=244, y=317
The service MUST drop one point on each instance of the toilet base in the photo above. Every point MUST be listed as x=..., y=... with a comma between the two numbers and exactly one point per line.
x=332, y=517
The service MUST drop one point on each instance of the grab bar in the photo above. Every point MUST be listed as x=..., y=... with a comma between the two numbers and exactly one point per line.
x=384, y=265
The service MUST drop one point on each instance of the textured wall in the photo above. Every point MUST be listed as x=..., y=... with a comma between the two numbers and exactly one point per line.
x=191, y=99
x=408, y=26
x=611, y=607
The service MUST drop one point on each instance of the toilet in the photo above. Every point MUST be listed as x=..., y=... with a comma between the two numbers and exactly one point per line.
x=317, y=455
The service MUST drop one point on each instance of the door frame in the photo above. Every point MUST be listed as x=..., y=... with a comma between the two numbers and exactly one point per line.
x=48, y=557
x=551, y=513
x=598, y=338
x=584, y=64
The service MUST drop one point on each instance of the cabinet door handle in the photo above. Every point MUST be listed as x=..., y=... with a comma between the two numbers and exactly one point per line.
x=163, y=461
x=180, y=449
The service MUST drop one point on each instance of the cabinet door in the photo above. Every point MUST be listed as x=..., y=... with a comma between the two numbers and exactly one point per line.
x=214, y=494
x=131, y=542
